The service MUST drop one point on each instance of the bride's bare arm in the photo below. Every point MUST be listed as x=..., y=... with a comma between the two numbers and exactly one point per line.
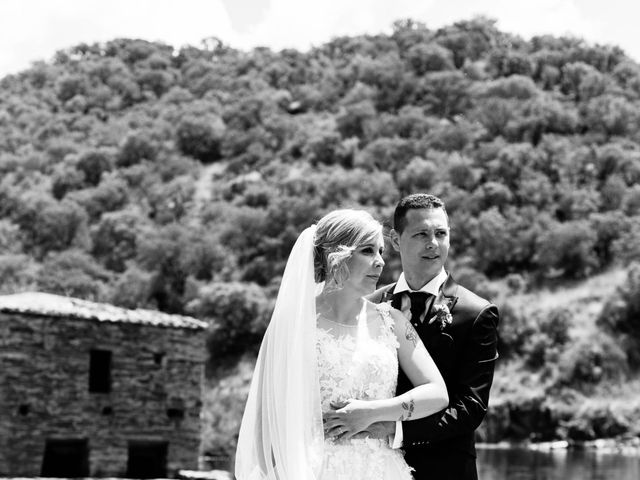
x=426, y=398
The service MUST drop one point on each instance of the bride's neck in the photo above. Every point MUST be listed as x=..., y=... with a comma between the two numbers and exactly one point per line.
x=340, y=306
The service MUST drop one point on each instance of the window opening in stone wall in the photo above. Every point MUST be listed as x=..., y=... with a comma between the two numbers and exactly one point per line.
x=100, y=371
x=108, y=410
x=147, y=459
x=68, y=458
x=175, y=413
x=158, y=357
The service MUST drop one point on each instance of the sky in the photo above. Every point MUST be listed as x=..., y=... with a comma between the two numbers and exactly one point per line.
x=33, y=30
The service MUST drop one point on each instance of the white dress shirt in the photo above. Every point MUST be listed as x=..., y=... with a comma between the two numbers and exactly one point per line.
x=432, y=287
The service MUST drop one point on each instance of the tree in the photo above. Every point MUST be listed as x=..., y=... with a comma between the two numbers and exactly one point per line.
x=93, y=163
x=357, y=113
x=625, y=246
x=47, y=225
x=160, y=251
x=429, y=57
x=385, y=73
x=495, y=114
x=450, y=137
x=575, y=80
x=73, y=273
x=469, y=39
x=504, y=62
x=136, y=147
x=631, y=201
x=170, y=202
x=620, y=314
x=70, y=86
x=132, y=289
x=110, y=195
x=18, y=273
x=65, y=178
x=615, y=237
x=237, y=315
x=592, y=359
x=444, y=94
x=115, y=238
x=418, y=176
x=610, y=115
x=543, y=115
x=493, y=194
x=201, y=137
x=386, y=154
x=569, y=249
x=493, y=242
x=518, y=87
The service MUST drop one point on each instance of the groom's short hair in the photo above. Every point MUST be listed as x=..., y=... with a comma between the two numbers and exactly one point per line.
x=414, y=202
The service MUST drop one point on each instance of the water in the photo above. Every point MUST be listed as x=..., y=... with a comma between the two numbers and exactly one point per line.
x=523, y=464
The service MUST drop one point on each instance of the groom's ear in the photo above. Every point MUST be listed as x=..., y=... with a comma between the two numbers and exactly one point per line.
x=395, y=240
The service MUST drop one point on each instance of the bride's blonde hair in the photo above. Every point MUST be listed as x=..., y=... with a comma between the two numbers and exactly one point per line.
x=338, y=234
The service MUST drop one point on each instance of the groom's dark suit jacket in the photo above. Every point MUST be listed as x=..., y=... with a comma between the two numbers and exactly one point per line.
x=442, y=445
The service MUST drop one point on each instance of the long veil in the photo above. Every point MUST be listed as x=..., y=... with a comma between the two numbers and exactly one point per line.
x=281, y=436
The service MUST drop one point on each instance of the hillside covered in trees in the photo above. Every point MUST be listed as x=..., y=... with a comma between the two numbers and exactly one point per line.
x=145, y=176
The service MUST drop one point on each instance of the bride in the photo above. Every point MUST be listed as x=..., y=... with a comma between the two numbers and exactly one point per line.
x=328, y=364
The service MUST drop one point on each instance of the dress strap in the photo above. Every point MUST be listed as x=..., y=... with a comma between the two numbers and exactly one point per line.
x=384, y=309
x=388, y=330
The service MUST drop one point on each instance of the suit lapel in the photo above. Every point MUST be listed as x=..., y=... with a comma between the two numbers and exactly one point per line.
x=448, y=294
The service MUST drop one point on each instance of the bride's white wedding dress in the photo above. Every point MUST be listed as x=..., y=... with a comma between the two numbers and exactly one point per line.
x=360, y=362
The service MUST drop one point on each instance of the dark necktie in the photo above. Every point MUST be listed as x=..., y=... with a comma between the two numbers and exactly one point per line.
x=418, y=304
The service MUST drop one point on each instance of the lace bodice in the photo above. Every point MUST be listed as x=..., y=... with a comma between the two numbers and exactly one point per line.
x=360, y=361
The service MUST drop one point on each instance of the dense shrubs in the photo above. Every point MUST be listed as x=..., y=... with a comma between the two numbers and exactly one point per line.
x=238, y=316
x=149, y=177
x=590, y=360
x=136, y=147
x=74, y=273
x=201, y=138
x=621, y=314
x=569, y=249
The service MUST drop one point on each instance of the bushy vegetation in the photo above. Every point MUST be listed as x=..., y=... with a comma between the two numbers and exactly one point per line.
x=142, y=175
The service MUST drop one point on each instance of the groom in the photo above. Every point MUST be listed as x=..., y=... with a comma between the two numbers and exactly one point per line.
x=459, y=330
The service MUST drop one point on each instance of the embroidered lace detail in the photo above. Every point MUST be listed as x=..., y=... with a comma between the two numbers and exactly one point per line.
x=360, y=363
x=364, y=459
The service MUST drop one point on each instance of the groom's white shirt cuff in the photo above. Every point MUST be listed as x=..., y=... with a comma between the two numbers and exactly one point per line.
x=396, y=440
x=432, y=287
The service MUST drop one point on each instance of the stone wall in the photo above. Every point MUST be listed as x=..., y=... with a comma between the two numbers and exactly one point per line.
x=156, y=381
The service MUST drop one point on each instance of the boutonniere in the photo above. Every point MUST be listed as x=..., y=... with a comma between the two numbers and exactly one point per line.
x=442, y=312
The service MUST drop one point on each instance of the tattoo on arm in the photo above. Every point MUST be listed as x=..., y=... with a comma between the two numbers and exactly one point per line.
x=407, y=409
x=411, y=334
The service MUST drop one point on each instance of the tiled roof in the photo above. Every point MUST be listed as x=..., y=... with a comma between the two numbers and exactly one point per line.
x=47, y=304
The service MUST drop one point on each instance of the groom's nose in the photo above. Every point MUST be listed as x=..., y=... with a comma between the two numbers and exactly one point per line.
x=431, y=242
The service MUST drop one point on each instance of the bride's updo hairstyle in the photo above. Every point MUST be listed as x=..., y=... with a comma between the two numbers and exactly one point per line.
x=338, y=234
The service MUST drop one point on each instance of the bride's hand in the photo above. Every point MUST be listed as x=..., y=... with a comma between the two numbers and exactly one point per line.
x=350, y=418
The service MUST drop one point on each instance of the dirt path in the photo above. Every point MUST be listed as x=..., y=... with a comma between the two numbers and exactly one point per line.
x=202, y=194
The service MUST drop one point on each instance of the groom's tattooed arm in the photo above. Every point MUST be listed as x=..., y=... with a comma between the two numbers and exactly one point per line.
x=407, y=410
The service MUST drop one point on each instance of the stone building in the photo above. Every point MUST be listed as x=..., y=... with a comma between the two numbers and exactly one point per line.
x=90, y=389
